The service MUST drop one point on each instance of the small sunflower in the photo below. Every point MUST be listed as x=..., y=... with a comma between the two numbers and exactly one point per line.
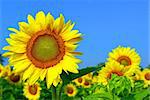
x=71, y=90
x=43, y=47
x=32, y=92
x=87, y=83
x=145, y=76
x=79, y=81
x=6, y=71
x=110, y=68
x=88, y=76
x=14, y=78
x=125, y=56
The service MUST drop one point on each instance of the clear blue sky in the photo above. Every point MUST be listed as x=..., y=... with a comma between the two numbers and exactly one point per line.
x=104, y=23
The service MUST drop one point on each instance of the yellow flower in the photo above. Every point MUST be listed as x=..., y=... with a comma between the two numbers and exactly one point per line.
x=79, y=81
x=43, y=47
x=88, y=76
x=6, y=71
x=126, y=57
x=14, y=78
x=145, y=76
x=32, y=92
x=70, y=90
x=110, y=68
x=87, y=83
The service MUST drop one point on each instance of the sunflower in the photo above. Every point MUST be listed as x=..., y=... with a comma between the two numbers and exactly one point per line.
x=43, y=47
x=6, y=71
x=110, y=68
x=79, y=81
x=70, y=90
x=32, y=92
x=88, y=76
x=126, y=57
x=14, y=78
x=87, y=83
x=145, y=76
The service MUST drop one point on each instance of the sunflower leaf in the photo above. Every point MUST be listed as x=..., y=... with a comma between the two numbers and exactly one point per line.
x=68, y=77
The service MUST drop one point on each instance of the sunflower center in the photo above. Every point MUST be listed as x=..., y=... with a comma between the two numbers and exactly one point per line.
x=0, y=70
x=114, y=72
x=14, y=78
x=86, y=83
x=80, y=80
x=33, y=89
x=147, y=76
x=124, y=60
x=69, y=90
x=45, y=49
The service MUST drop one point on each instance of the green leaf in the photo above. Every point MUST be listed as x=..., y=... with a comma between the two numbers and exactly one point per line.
x=71, y=76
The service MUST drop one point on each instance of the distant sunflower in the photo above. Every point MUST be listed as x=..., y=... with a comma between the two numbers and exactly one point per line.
x=87, y=83
x=126, y=57
x=110, y=68
x=79, y=81
x=145, y=76
x=14, y=78
x=32, y=92
x=6, y=71
x=88, y=76
x=43, y=47
x=71, y=90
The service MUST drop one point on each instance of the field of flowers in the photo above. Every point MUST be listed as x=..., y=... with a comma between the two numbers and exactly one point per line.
x=43, y=65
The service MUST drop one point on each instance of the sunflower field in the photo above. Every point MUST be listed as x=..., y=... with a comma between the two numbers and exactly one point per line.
x=43, y=66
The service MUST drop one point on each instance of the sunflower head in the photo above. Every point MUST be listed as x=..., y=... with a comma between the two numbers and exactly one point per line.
x=145, y=76
x=71, y=90
x=79, y=81
x=87, y=83
x=14, y=78
x=125, y=56
x=110, y=68
x=43, y=47
x=32, y=91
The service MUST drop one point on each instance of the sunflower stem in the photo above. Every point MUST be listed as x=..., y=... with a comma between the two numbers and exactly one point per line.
x=54, y=93
x=60, y=91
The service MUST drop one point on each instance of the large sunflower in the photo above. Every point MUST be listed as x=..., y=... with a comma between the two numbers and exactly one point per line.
x=110, y=68
x=43, y=47
x=126, y=57
x=32, y=92
x=145, y=76
x=70, y=90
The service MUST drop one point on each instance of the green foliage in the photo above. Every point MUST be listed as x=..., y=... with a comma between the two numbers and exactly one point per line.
x=10, y=91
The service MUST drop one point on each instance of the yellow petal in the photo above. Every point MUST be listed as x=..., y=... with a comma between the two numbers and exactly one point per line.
x=16, y=49
x=35, y=76
x=40, y=19
x=44, y=72
x=23, y=26
x=22, y=65
x=7, y=54
x=14, y=42
x=30, y=19
x=17, y=57
x=49, y=21
x=27, y=73
x=51, y=75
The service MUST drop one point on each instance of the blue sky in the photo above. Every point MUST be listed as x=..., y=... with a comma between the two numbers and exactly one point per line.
x=104, y=23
